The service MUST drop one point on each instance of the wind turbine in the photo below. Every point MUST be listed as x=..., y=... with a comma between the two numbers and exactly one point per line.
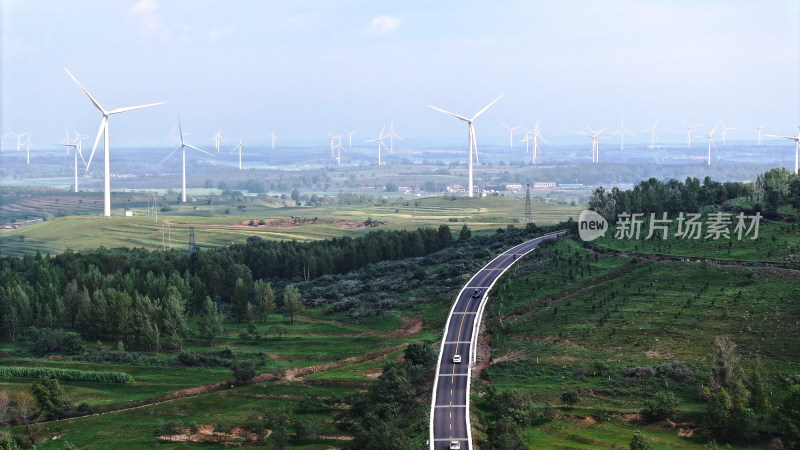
x=76, y=145
x=28, y=146
x=239, y=147
x=473, y=145
x=339, y=147
x=622, y=130
x=182, y=148
x=689, y=132
x=511, y=135
x=595, y=136
x=379, y=140
x=724, y=132
x=534, y=136
x=333, y=147
x=350, y=138
x=710, y=138
x=19, y=140
x=3, y=141
x=217, y=139
x=796, y=140
x=759, y=132
x=67, y=140
x=103, y=130
x=653, y=136
x=391, y=137
x=273, y=139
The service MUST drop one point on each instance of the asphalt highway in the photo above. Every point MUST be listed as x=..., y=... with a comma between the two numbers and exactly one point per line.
x=450, y=405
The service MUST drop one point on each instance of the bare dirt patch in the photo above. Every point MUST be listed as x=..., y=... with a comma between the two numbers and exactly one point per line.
x=205, y=433
x=411, y=327
x=630, y=417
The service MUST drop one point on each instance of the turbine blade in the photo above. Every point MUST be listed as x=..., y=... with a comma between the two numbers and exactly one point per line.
x=168, y=156
x=487, y=106
x=100, y=132
x=131, y=108
x=449, y=113
x=195, y=148
x=85, y=91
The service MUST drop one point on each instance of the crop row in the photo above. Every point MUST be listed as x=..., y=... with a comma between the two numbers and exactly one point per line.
x=65, y=374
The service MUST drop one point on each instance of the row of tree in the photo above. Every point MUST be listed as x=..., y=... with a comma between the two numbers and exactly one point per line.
x=144, y=298
x=770, y=191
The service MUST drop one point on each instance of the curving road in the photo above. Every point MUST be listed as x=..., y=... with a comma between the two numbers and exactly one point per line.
x=450, y=400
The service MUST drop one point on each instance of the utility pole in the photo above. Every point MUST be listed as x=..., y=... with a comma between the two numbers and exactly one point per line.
x=192, y=244
x=528, y=204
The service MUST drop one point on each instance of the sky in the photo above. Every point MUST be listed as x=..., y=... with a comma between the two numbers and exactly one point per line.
x=307, y=68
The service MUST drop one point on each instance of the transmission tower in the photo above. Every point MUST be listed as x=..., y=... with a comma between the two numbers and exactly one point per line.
x=192, y=244
x=528, y=204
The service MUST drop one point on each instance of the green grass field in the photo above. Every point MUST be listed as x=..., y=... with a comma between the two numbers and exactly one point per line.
x=576, y=321
x=172, y=228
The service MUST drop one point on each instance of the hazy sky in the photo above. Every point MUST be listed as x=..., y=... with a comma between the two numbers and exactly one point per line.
x=305, y=68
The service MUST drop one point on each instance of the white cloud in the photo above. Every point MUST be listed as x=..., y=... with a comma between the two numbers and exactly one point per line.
x=150, y=24
x=383, y=24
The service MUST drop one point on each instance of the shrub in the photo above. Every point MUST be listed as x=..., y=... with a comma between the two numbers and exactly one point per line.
x=65, y=374
x=661, y=405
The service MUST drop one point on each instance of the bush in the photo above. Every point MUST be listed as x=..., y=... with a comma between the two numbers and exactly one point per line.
x=46, y=340
x=661, y=405
x=570, y=398
x=243, y=371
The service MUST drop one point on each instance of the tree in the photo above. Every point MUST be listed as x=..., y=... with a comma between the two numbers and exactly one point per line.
x=465, y=233
x=50, y=396
x=794, y=193
x=570, y=398
x=209, y=322
x=603, y=203
x=239, y=300
x=291, y=303
x=265, y=300
x=639, y=442
x=243, y=370
x=420, y=354
x=789, y=414
x=726, y=392
x=25, y=410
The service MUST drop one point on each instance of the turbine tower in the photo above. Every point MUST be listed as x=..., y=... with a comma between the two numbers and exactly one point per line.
x=622, y=130
x=689, y=132
x=183, y=147
x=710, y=138
x=724, y=132
x=379, y=140
x=350, y=138
x=796, y=140
x=217, y=139
x=759, y=132
x=653, y=137
x=239, y=147
x=28, y=146
x=77, y=152
x=391, y=137
x=273, y=139
x=473, y=145
x=511, y=134
x=103, y=130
